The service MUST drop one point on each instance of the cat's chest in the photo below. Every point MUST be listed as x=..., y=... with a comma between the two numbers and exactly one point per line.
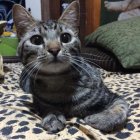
x=50, y=83
x=54, y=87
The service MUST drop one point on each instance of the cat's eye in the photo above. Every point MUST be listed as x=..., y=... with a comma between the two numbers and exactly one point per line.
x=65, y=37
x=36, y=40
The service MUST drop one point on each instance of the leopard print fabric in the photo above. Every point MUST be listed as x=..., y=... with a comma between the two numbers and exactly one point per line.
x=18, y=120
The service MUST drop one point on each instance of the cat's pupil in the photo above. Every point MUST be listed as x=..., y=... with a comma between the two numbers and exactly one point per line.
x=36, y=40
x=65, y=37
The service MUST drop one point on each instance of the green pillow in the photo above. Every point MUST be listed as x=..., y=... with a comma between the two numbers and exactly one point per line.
x=122, y=38
x=8, y=46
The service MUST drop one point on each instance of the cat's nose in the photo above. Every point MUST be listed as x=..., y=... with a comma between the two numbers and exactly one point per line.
x=54, y=51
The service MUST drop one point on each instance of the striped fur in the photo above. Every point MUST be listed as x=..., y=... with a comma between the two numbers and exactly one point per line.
x=63, y=84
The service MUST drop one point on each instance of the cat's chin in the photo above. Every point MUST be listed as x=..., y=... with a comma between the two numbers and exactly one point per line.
x=55, y=68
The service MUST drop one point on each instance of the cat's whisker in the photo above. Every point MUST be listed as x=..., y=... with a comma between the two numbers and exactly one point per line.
x=86, y=71
x=32, y=70
x=89, y=54
x=75, y=67
x=26, y=69
x=77, y=59
x=93, y=63
x=76, y=62
x=100, y=60
x=44, y=56
x=84, y=62
x=30, y=63
x=87, y=60
x=29, y=72
x=94, y=59
x=29, y=66
x=40, y=58
x=37, y=72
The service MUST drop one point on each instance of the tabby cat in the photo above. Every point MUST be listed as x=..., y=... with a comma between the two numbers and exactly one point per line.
x=63, y=84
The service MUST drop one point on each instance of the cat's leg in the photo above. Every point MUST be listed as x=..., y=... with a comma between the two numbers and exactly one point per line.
x=117, y=6
x=54, y=122
x=112, y=117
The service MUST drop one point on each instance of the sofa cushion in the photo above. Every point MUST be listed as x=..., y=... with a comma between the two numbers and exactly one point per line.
x=122, y=38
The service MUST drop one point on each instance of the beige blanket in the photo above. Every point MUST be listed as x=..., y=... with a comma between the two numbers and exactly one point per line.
x=18, y=120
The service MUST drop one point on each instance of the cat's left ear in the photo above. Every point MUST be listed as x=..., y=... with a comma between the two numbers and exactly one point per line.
x=71, y=16
x=22, y=20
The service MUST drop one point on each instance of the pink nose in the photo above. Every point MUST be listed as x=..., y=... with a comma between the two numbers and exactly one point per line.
x=54, y=51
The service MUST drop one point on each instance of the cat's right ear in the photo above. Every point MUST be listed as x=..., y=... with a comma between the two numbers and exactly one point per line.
x=22, y=20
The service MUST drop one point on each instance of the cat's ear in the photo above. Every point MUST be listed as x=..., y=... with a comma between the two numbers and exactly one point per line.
x=22, y=20
x=71, y=16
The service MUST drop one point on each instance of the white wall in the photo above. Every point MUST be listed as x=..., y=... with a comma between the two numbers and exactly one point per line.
x=35, y=6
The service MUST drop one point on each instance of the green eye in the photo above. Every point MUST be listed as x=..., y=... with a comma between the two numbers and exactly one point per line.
x=36, y=40
x=65, y=37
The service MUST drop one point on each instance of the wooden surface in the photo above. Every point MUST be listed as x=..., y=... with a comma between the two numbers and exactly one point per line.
x=50, y=9
x=93, y=9
x=89, y=14
x=45, y=10
x=82, y=20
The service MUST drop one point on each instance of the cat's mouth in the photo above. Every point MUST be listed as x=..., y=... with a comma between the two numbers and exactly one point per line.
x=55, y=67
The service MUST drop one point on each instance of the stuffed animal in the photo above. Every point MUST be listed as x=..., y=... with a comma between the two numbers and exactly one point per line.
x=128, y=8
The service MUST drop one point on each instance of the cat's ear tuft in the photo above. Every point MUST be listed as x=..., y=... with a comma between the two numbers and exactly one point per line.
x=71, y=16
x=22, y=20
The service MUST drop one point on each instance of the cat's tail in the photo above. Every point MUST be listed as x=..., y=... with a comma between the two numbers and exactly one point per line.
x=112, y=117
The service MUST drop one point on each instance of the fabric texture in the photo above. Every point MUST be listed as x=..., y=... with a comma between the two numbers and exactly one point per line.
x=1, y=70
x=18, y=119
x=11, y=59
x=8, y=46
x=101, y=58
x=122, y=38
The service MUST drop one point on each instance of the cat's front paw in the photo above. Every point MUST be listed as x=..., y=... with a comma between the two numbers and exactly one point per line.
x=100, y=122
x=54, y=123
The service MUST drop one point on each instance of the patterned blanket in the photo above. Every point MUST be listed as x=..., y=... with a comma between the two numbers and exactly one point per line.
x=18, y=120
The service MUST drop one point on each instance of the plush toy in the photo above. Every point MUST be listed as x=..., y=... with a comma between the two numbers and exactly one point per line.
x=128, y=8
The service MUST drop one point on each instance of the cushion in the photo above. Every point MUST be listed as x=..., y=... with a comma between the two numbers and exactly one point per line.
x=122, y=38
x=8, y=49
x=8, y=46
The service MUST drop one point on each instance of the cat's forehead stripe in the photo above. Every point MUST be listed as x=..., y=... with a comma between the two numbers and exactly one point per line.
x=61, y=29
x=44, y=26
x=39, y=29
x=51, y=24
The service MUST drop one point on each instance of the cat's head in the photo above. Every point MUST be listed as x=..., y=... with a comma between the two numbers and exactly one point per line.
x=50, y=45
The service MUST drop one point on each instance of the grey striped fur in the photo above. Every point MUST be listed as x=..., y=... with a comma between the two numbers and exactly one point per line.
x=63, y=84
